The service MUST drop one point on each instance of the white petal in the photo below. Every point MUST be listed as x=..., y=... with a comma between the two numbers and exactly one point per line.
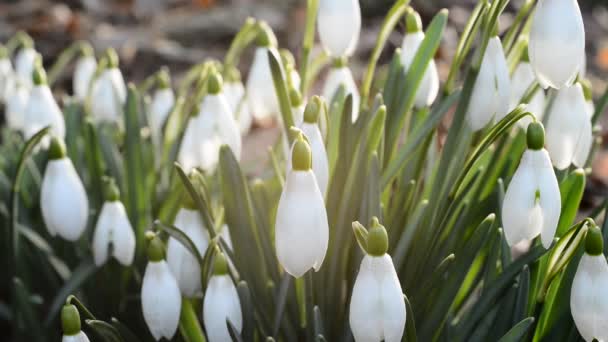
x=302, y=230
x=83, y=74
x=429, y=86
x=588, y=301
x=234, y=92
x=15, y=106
x=41, y=111
x=183, y=264
x=393, y=304
x=550, y=198
x=63, y=200
x=162, y=103
x=24, y=65
x=263, y=101
x=6, y=75
x=221, y=304
x=160, y=299
x=80, y=337
x=320, y=164
x=113, y=227
x=338, y=77
x=568, y=128
x=365, y=315
x=521, y=80
x=557, y=42
x=339, y=25
x=520, y=218
x=108, y=96
x=188, y=155
x=503, y=81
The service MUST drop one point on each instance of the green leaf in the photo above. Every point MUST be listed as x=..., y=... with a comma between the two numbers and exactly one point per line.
x=234, y=333
x=518, y=331
x=125, y=332
x=84, y=312
x=105, y=330
x=410, y=323
x=247, y=309
x=280, y=87
x=200, y=199
x=571, y=190
x=360, y=235
x=26, y=322
x=189, y=326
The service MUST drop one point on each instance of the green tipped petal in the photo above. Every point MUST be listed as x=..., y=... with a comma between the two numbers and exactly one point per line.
x=70, y=320
x=301, y=159
x=535, y=136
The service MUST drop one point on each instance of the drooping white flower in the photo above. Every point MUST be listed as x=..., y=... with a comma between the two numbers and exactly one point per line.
x=429, y=86
x=16, y=101
x=557, y=42
x=261, y=96
x=237, y=100
x=109, y=92
x=221, y=303
x=42, y=110
x=377, y=307
x=183, y=264
x=160, y=297
x=340, y=75
x=532, y=203
x=188, y=155
x=113, y=228
x=588, y=300
x=492, y=89
x=70, y=323
x=301, y=226
x=569, y=131
x=63, y=200
x=83, y=75
x=339, y=26
x=6, y=74
x=163, y=101
x=522, y=78
x=310, y=128
x=24, y=65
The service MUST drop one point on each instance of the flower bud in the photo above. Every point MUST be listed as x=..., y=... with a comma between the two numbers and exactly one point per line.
x=310, y=128
x=339, y=26
x=163, y=101
x=24, y=65
x=261, y=96
x=83, y=75
x=535, y=136
x=109, y=92
x=340, y=75
x=70, y=323
x=42, y=110
x=234, y=92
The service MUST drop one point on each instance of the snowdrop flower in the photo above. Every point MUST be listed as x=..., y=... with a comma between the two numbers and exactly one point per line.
x=532, y=203
x=588, y=300
x=113, y=228
x=6, y=73
x=310, y=128
x=429, y=86
x=24, y=64
x=189, y=154
x=109, y=93
x=221, y=303
x=183, y=264
x=492, y=89
x=340, y=75
x=377, y=307
x=234, y=92
x=16, y=101
x=63, y=200
x=163, y=101
x=569, y=131
x=557, y=42
x=70, y=323
x=302, y=230
x=263, y=101
x=523, y=77
x=160, y=298
x=339, y=25
x=84, y=72
x=42, y=110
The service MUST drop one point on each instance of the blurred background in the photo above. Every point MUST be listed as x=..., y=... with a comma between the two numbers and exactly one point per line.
x=149, y=34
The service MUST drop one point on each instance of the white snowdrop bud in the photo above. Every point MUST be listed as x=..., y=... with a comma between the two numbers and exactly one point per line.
x=42, y=109
x=523, y=77
x=532, y=203
x=339, y=26
x=109, y=92
x=429, y=86
x=70, y=323
x=340, y=75
x=492, y=89
x=234, y=92
x=569, y=131
x=163, y=101
x=24, y=65
x=310, y=128
x=160, y=297
x=16, y=102
x=63, y=200
x=183, y=264
x=302, y=230
x=261, y=96
x=377, y=307
x=221, y=303
x=83, y=75
x=588, y=300
x=113, y=229
x=6, y=74
x=557, y=42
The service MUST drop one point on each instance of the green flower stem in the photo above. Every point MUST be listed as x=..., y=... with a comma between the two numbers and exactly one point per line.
x=189, y=326
x=301, y=298
x=64, y=59
x=314, y=68
x=312, y=7
x=600, y=106
x=516, y=26
x=20, y=39
x=243, y=38
x=391, y=20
